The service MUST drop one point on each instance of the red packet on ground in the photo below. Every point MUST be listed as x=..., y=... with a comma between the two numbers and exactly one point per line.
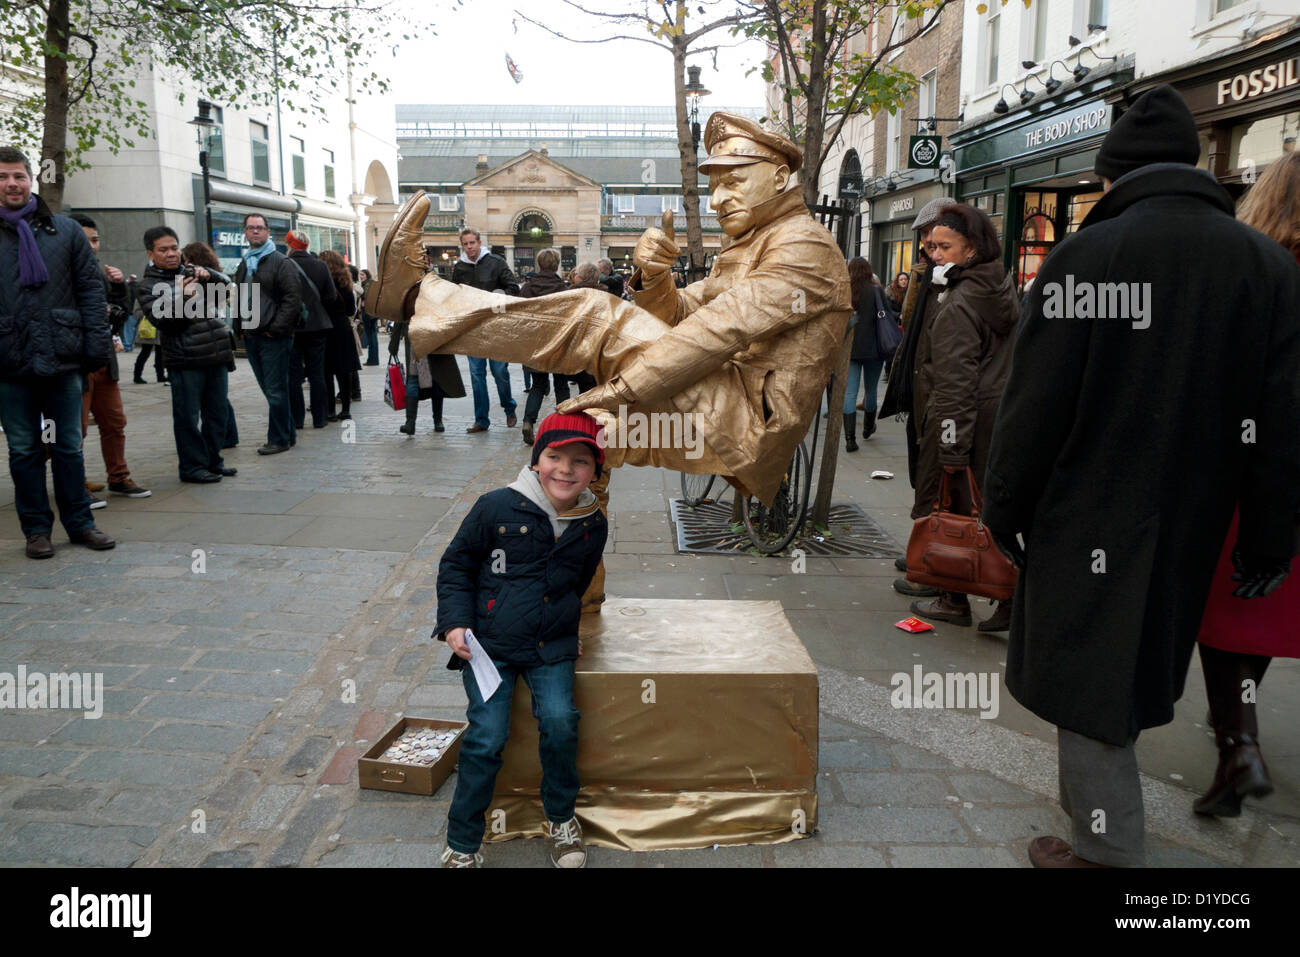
x=914, y=625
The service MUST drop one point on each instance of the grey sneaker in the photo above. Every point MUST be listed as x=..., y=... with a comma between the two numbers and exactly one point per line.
x=566, y=844
x=452, y=858
x=96, y=501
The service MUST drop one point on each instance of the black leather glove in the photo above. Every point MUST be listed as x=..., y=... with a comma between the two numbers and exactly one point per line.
x=1258, y=576
x=1009, y=545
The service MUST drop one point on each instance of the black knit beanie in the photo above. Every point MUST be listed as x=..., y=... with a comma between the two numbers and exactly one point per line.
x=1158, y=128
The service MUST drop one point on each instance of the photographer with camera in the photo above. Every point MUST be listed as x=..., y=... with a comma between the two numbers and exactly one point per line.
x=101, y=395
x=186, y=302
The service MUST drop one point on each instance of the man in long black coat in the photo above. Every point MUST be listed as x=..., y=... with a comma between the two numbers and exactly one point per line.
x=1136, y=416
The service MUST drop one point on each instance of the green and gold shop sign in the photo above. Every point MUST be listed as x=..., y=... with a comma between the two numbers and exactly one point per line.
x=1036, y=135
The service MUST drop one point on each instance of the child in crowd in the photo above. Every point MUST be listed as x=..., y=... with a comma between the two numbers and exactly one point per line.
x=514, y=575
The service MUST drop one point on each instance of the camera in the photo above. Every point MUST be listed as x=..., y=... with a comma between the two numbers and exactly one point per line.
x=187, y=271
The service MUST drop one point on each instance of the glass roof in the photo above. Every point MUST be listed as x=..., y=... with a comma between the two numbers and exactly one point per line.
x=461, y=121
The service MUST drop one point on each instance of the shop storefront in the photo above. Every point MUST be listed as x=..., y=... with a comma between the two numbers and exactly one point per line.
x=892, y=240
x=232, y=202
x=1031, y=170
x=1246, y=103
x=335, y=237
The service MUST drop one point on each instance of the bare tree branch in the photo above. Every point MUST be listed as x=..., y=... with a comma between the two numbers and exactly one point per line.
x=617, y=36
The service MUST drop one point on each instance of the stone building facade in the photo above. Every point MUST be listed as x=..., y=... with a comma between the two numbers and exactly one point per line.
x=586, y=180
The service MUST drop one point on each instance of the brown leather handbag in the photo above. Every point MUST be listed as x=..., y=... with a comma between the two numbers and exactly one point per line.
x=956, y=552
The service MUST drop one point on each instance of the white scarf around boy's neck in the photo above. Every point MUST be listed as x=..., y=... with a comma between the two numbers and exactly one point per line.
x=529, y=483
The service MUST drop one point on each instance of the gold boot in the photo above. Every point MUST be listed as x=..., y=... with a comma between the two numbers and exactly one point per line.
x=401, y=260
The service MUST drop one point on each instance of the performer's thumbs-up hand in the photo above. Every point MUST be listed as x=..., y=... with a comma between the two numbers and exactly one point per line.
x=657, y=250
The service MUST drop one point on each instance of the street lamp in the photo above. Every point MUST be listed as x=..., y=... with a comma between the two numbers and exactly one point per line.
x=203, y=124
x=694, y=90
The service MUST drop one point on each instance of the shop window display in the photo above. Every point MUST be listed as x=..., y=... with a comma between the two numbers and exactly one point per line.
x=1264, y=140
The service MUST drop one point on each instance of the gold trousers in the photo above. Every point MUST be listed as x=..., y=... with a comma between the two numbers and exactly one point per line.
x=580, y=330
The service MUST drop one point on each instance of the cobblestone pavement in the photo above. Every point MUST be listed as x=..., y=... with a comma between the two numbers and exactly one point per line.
x=230, y=618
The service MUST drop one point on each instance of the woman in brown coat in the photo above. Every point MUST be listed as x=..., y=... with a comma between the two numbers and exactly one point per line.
x=962, y=362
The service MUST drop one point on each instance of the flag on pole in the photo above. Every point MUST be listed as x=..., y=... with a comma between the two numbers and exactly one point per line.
x=513, y=67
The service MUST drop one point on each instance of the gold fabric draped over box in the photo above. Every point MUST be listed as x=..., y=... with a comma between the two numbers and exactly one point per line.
x=699, y=727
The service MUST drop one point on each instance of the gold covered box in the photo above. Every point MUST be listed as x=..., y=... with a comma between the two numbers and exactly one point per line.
x=699, y=727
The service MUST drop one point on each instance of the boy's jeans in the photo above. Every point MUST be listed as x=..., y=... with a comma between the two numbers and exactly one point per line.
x=485, y=739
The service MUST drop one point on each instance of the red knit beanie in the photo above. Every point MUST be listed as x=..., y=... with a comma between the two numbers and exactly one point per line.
x=557, y=430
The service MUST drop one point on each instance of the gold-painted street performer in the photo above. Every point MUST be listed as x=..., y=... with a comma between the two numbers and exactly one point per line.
x=745, y=353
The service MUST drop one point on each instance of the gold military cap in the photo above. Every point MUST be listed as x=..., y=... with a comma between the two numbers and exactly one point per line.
x=737, y=141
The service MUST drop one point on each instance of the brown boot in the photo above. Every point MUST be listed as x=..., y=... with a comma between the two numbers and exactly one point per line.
x=1241, y=770
x=401, y=260
x=949, y=606
x=1000, y=620
x=1050, y=851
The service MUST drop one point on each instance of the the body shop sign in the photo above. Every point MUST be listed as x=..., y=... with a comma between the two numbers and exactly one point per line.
x=1081, y=122
x=1091, y=119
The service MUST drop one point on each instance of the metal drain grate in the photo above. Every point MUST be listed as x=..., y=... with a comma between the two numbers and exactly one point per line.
x=707, y=530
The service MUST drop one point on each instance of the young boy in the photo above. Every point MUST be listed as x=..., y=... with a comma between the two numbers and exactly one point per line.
x=515, y=574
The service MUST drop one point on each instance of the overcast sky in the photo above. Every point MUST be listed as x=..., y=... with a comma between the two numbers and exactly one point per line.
x=466, y=61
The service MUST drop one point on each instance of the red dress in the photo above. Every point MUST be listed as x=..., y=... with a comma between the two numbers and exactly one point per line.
x=1258, y=626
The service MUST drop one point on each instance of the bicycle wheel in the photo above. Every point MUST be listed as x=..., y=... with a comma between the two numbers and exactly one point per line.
x=695, y=488
x=772, y=529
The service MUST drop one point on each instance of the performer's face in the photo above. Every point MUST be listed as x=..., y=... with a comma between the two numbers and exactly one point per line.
x=734, y=191
x=470, y=244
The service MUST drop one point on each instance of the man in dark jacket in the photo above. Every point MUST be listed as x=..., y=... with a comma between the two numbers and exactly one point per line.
x=1145, y=400
x=309, y=342
x=183, y=302
x=53, y=330
x=484, y=270
x=542, y=283
x=270, y=298
x=102, y=397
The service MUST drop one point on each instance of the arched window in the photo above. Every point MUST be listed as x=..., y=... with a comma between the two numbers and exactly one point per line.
x=851, y=176
x=533, y=228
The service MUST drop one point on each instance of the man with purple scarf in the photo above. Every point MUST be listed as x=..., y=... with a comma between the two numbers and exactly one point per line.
x=53, y=330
